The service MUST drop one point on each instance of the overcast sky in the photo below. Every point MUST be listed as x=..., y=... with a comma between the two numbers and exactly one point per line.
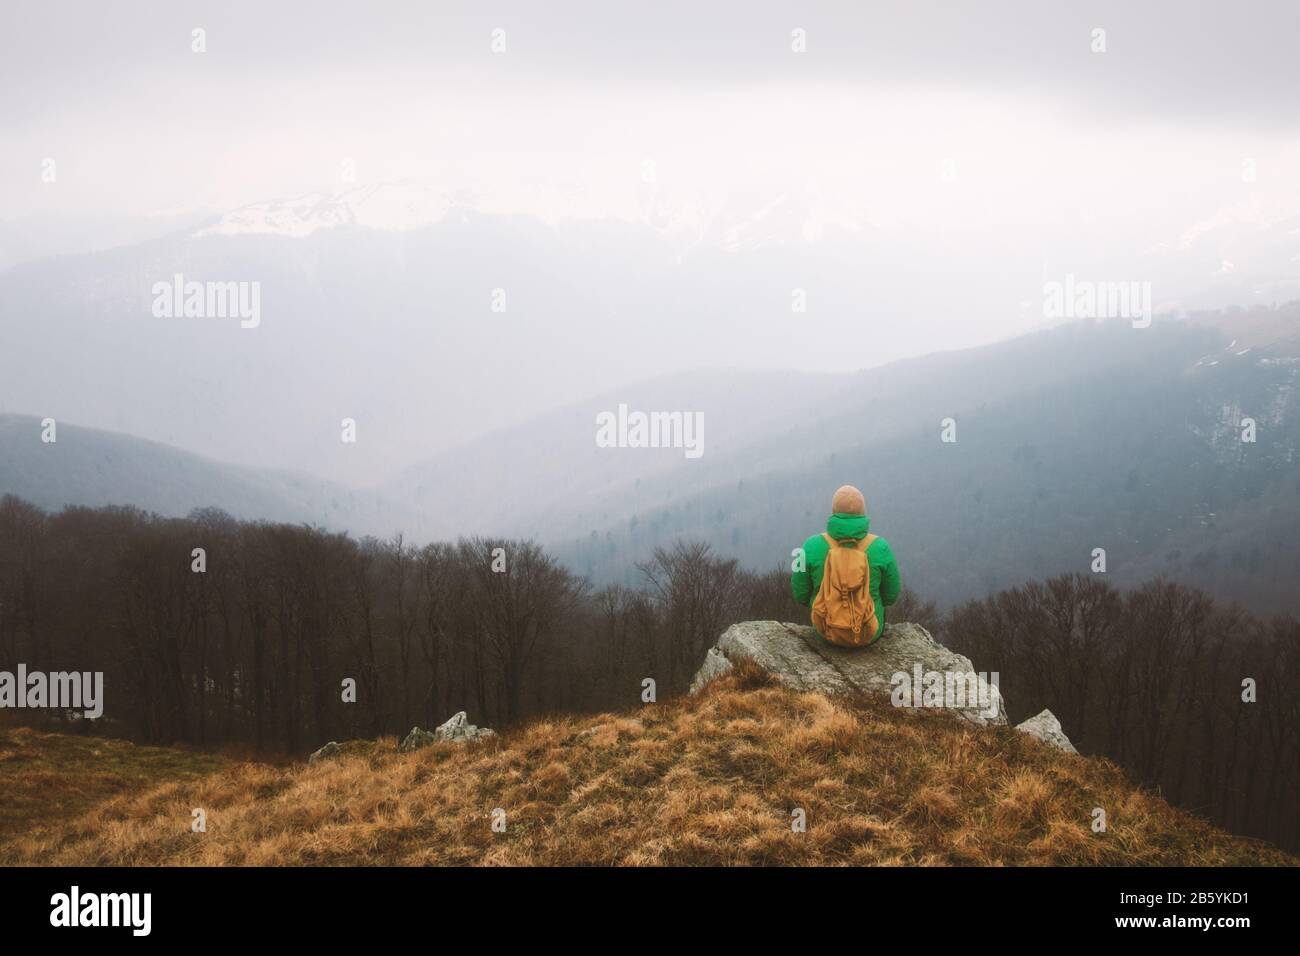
x=584, y=93
x=985, y=137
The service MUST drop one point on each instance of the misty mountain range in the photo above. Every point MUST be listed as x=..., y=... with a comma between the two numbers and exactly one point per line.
x=401, y=306
x=407, y=310
x=1092, y=435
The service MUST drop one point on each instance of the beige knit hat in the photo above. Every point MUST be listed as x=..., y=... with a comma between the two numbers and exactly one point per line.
x=848, y=501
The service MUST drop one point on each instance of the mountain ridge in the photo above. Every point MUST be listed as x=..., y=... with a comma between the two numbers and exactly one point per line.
x=100, y=468
x=1134, y=410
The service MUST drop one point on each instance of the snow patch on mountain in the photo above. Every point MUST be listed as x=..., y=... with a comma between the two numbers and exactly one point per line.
x=738, y=223
x=396, y=207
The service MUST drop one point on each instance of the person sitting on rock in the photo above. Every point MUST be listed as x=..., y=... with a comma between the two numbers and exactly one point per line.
x=847, y=576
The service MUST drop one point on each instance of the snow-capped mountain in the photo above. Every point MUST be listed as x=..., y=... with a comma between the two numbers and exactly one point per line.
x=415, y=278
x=394, y=207
x=747, y=222
x=738, y=223
x=1241, y=254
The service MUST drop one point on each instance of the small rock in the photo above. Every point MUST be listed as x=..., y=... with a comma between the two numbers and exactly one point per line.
x=416, y=739
x=1047, y=728
x=458, y=729
x=715, y=664
x=331, y=749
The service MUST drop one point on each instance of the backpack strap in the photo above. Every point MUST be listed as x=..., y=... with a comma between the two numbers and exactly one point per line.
x=860, y=544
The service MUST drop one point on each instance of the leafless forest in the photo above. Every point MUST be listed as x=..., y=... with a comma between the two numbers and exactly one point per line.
x=255, y=650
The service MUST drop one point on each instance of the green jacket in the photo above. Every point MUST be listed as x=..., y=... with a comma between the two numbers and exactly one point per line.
x=884, y=572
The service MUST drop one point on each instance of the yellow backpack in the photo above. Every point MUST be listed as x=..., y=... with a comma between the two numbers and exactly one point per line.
x=843, y=611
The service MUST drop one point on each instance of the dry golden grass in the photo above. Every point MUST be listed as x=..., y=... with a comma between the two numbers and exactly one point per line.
x=45, y=779
x=707, y=780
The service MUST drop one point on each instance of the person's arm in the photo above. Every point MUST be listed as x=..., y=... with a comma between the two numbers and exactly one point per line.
x=801, y=581
x=890, y=584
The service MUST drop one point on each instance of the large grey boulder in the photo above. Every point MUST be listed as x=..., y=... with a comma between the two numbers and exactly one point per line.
x=906, y=664
x=458, y=730
x=1047, y=728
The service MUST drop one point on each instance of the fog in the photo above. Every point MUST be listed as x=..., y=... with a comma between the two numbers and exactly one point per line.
x=916, y=173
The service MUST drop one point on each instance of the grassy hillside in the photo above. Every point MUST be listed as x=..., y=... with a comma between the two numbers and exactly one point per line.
x=706, y=780
x=49, y=779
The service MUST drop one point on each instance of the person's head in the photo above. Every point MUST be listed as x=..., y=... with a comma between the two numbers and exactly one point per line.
x=848, y=501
